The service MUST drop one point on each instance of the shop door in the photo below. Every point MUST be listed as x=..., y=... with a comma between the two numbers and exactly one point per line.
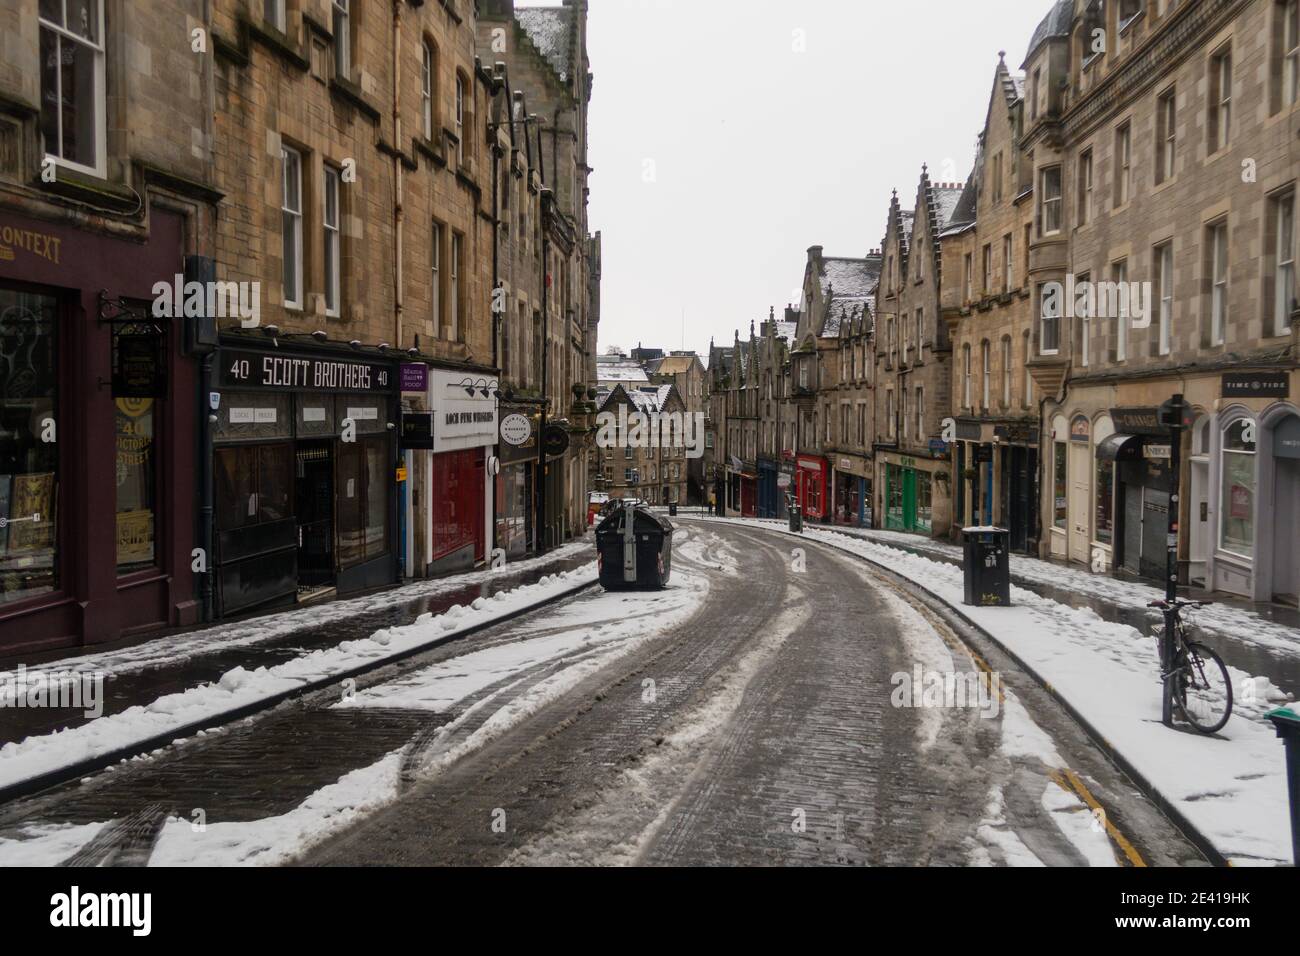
x=1131, y=493
x=1286, y=514
x=1155, y=534
x=314, y=510
x=1018, y=500
x=909, y=499
x=1080, y=513
x=1199, y=540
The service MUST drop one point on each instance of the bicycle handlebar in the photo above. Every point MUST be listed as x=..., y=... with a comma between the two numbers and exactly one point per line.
x=1179, y=605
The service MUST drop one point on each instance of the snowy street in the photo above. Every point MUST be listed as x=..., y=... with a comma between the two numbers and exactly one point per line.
x=782, y=702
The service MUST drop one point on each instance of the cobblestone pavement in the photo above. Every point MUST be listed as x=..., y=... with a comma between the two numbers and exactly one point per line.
x=758, y=732
x=125, y=690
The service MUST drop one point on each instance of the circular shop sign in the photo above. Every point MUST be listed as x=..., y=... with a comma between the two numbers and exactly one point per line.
x=555, y=441
x=516, y=429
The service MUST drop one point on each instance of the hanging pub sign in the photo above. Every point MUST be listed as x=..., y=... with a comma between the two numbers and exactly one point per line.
x=414, y=376
x=296, y=373
x=417, y=431
x=1257, y=385
x=555, y=441
x=1081, y=430
x=139, y=366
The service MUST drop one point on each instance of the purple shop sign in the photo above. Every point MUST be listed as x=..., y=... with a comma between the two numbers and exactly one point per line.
x=415, y=376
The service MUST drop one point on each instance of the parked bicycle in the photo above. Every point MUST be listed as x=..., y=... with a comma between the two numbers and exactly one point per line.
x=1201, y=689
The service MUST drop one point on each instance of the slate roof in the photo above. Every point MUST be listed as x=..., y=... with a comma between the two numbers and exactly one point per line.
x=621, y=372
x=550, y=30
x=1055, y=24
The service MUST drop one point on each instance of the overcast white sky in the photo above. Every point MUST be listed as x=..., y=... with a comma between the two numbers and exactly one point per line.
x=760, y=151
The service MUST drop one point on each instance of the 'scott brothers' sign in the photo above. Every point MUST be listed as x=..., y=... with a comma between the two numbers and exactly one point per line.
x=293, y=373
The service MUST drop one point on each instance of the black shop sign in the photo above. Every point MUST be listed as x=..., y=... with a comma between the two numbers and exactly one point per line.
x=1257, y=385
x=417, y=431
x=298, y=373
x=1138, y=421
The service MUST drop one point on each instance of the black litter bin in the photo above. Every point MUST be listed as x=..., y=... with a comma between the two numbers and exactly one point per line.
x=672, y=510
x=987, y=566
x=636, y=556
x=1287, y=723
x=796, y=516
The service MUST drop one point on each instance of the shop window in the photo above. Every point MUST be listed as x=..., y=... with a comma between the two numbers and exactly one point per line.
x=1237, y=509
x=253, y=484
x=137, y=489
x=29, y=461
x=924, y=507
x=72, y=82
x=1060, y=518
x=1105, y=491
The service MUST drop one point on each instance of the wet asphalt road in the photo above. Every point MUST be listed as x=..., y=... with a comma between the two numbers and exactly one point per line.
x=759, y=731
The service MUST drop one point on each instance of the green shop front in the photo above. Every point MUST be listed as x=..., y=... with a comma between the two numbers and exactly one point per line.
x=914, y=498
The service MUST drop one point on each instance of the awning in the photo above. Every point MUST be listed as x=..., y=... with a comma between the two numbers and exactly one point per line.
x=1120, y=448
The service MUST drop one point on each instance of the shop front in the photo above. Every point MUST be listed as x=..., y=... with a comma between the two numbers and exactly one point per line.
x=785, y=485
x=852, y=486
x=517, y=452
x=455, y=521
x=1016, y=464
x=768, y=494
x=1127, y=494
x=97, y=418
x=812, y=485
x=914, y=493
x=304, y=470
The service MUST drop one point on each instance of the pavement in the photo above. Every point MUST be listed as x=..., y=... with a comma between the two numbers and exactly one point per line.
x=139, y=673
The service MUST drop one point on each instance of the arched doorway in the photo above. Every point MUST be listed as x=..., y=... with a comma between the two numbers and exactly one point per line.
x=1285, y=514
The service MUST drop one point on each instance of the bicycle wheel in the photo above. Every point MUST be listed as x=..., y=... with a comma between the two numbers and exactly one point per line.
x=1203, y=690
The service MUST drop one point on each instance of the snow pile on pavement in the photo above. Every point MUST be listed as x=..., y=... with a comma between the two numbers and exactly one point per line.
x=1240, y=624
x=1231, y=787
x=179, y=647
x=240, y=688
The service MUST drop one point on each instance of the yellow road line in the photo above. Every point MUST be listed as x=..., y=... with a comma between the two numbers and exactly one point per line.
x=1065, y=778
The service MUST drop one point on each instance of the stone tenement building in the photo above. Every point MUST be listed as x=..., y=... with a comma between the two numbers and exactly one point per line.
x=108, y=182
x=1128, y=234
x=325, y=175
x=988, y=308
x=913, y=487
x=544, y=50
x=1168, y=158
x=656, y=471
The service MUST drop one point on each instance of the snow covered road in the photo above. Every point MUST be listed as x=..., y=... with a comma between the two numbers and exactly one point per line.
x=778, y=704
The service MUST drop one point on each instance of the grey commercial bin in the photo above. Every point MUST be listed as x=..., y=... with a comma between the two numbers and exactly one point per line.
x=986, y=566
x=636, y=556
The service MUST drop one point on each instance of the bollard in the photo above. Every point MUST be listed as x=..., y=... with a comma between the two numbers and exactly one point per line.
x=1287, y=725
